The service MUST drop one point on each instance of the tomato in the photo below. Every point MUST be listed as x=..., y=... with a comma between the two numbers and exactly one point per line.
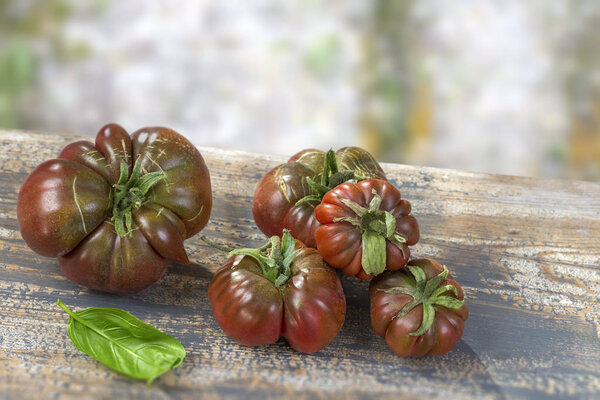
x=113, y=212
x=366, y=227
x=419, y=310
x=286, y=196
x=283, y=289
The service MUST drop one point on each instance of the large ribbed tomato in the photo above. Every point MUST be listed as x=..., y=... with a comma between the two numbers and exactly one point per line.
x=419, y=310
x=286, y=196
x=113, y=212
x=283, y=289
x=366, y=227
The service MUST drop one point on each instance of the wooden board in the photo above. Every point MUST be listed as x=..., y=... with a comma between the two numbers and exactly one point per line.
x=526, y=251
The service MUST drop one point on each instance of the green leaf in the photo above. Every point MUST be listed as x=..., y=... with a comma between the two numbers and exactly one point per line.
x=308, y=199
x=254, y=253
x=428, y=317
x=329, y=167
x=135, y=173
x=317, y=188
x=280, y=280
x=287, y=243
x=443, y=289
x=373, y=253
x=448, y=302
x=340, y=177
x=390, y=224
x=420, y=278
x=124, y=169
x=375, y=203
x=287, y=261
x=434, y=282
x=271, y=263
x=128, y=224
x=356, y=208
x=119, y=228
x=147, y=181
x=352, y=220
x=123, y=343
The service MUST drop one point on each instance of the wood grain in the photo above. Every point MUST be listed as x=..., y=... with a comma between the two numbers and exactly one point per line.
x=526, y=251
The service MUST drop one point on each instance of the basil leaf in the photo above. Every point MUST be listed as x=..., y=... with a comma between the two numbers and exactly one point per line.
x=123, y=343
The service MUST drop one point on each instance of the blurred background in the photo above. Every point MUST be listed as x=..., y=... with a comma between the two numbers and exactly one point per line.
x=509, y=86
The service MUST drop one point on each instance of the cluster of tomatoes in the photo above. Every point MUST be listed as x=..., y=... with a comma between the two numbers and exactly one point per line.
x=116, y=210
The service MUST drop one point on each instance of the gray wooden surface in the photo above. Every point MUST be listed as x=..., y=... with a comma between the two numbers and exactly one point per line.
x=526, y=251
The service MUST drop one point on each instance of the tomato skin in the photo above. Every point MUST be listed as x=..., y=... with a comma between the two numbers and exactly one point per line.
x=186, y=191
x=448, y=324
x=247, y=307
x=48, y=208
x=274, y=206
x=340, y=243
x=275, y=196
x=106, y=262
x=65, y=207
x=308, y=310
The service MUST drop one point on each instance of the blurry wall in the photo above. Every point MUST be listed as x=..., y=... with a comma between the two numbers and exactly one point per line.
x=495, y=86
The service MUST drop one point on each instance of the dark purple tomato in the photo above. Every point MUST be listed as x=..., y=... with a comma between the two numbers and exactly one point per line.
x=419, y=310
x=116, y=210
x=286, y=290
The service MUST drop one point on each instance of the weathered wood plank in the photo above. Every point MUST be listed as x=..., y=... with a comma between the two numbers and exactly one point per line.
x=525, y=250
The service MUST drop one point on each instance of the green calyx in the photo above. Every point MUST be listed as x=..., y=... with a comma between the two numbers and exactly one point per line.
x=429, y=293
x=330, y=178
x=275, y=257
x=377, y=226
x=129, y=193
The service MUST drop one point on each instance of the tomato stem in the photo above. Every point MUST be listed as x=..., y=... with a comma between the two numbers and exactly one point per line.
x=427, y=293
x=275, y=257
x=129, y=193
x=377, y=226
x=330, y=177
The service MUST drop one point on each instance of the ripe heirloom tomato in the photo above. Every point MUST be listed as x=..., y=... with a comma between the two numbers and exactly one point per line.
x=286, y=196
x=419, y=310
x=113, y=212
x=365, y=228
x=282, y=289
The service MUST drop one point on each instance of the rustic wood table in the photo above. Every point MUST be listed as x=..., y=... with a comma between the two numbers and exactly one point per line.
x=526, y=251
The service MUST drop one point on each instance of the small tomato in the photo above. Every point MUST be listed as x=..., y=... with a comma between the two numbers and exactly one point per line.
x=419, y=310
x=366, y=227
